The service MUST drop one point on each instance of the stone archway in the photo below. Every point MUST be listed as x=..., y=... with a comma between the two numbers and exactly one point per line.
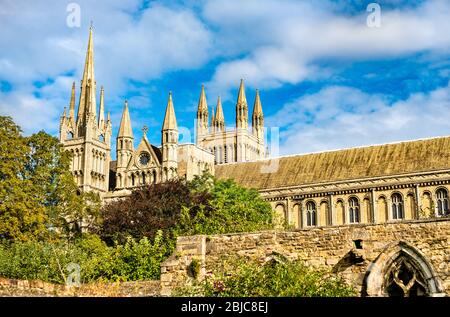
x=401, y=270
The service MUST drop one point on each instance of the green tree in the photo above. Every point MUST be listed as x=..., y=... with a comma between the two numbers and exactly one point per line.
x=38, y=195
x=145, y=211
x=22, y=216
x=231, y=208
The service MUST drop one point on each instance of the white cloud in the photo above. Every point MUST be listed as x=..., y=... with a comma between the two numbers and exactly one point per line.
x=29, y=112
x=340, y=117
x=282, y=41
x=129, y=44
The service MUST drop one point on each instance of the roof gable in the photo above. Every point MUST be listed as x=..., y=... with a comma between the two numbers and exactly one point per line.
x=145, y=146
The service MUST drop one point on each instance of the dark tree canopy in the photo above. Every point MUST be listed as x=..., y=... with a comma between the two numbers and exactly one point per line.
x=202, y=206
x=147, y=210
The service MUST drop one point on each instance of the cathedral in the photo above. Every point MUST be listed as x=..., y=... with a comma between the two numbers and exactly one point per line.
x=87, y=135
x=373, y=184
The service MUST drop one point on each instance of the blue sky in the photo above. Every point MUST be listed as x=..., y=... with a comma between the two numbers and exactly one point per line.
x=327, y=80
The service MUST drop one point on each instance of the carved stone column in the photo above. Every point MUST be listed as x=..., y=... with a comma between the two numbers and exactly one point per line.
x=374, y=206
x=345, y=219
x=417, y=194
x=288, y=210
x=332, y=217
x=389, y=208
x=302, y=213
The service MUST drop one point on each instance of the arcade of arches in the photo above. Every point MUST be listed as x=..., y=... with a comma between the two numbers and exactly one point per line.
x=369, y=206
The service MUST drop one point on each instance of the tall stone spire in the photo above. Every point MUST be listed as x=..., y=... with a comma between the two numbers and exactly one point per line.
x=257, y=117
x=202, y=115
x=125, y=123
x=89, y=138
x=72, y=105
x=87, y=103
x=170, y=121
x=202, y=104
x=213, y=121
x=169, y=142
x=219, y=118
x=241, y=108
x=124, y=145
x=101, y=114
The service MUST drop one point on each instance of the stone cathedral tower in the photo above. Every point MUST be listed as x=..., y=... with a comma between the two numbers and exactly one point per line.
x=87, y=136
x=231, y=145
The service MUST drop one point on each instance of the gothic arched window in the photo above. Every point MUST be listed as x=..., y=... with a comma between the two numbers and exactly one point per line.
x=442, y=201
x=397, y=206
x=311, y=213
x=405, y=280
x=353, y=209
x=132, y=179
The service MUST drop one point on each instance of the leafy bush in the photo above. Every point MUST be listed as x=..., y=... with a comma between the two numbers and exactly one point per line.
x=134, y=260
x=238, y=277
x=35, y=260
x=230, y=209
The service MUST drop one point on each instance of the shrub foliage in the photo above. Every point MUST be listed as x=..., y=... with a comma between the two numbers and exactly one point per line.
x=240, y=277
x=203, y=206
x=48, y=261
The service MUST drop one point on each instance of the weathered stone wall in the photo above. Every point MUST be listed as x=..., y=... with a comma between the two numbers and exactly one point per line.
x=175, y=270
x=11, y=287
x=353, y=251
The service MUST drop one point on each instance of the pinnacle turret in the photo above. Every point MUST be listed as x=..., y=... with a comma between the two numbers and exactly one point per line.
x=101, y=114
x=257, y=117
x=219, y=118
x=202, y=115
x=241, y=108
x=125, y=123
x=202, y=104
x=72, y=105
x=170, y=121
x=87, y=103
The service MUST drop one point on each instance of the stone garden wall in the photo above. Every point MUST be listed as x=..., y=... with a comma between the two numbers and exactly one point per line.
x=13, y=288
x=359, y=253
